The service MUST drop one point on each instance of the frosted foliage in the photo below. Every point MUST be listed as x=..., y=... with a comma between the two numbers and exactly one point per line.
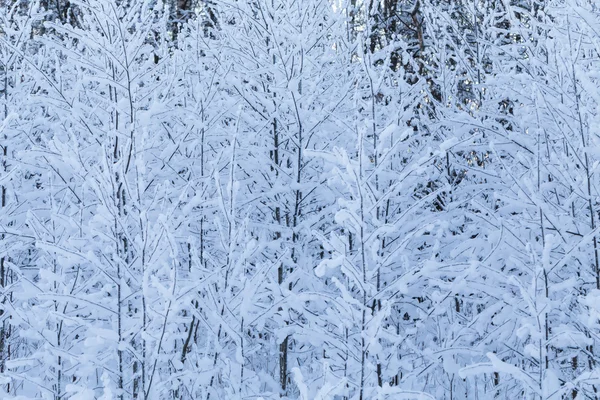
x=258, y=199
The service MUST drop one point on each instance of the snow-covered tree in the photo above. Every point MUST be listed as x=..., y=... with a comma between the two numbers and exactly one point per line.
x=299, y=199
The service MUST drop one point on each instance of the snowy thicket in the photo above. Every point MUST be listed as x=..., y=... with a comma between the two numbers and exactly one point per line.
x=300, y=199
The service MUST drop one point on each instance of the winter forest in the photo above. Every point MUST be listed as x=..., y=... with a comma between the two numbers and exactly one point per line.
x=300, y=199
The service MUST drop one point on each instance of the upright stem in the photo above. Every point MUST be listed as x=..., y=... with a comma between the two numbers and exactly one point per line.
x=119, y=247
x=363, y=348
x=3, y=274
